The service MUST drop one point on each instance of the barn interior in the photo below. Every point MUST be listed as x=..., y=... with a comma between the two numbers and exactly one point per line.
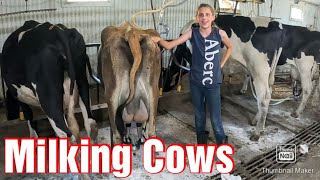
x=175, y=119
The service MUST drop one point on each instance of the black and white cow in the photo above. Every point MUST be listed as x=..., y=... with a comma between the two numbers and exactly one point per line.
x=45, y=65
x=303, y=46
x=258, y=43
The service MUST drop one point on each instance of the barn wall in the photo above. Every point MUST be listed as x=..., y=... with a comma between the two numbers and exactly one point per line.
x=90, y=20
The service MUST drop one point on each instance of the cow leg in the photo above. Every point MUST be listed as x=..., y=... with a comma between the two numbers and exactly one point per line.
x=116, y=137
x=52, y=105
x=244, y=87
x=127, y=119
x=140, y=134
x=32, y=131
x=28, y=115
x=145, y=129
x=72, y=122
x=61, y=129
x=127, y=139
x=153, y=106
x=89, y=123
x=83, y=86
x=315, y=98
x=69, y=103
x=304, y=66
x=12, y=105
x=263, y=93
x=140, y=116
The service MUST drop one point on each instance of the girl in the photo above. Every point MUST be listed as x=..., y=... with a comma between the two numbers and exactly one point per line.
x=205, y=73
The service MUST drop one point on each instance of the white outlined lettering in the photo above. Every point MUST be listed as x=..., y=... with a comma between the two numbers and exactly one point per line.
x=151, y=163
x=101, y=156
x=41, y=155
x=21, y=153
x=226, y=164
x=53, y=158
x=201, y=158
x=120, y=160
x=85, y=155
x=175, y=158
x=28, y=155
x=208, y=65
x=67, y=157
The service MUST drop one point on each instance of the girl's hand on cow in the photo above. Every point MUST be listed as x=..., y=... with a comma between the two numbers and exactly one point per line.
x=156, y=39
x=222, y=64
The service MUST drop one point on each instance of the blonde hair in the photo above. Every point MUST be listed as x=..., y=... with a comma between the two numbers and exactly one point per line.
x=206, y=6
x=213, y=11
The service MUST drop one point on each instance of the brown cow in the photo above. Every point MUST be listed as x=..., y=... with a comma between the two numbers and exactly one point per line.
x=129, y=65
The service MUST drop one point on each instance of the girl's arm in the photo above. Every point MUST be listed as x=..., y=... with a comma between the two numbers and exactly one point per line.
x=171, y=44
x=227, y=42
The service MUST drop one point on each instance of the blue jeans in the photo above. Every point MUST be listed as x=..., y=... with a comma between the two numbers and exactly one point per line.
x=211, y=96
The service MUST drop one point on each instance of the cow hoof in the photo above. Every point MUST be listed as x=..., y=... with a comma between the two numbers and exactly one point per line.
x=314, y=103
x=254, y=137
x=73, y=140
x=253, y=123
x=117, y=140
x=295, y=115
x=242, y=92
x=94, y=131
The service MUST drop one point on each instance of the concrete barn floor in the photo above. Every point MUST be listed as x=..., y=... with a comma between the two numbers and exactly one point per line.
x=175, y=124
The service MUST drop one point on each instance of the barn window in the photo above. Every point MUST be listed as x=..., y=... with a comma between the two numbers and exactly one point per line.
x=86, y=0
x=296, y=13
x=228, y=6
x=86, y=3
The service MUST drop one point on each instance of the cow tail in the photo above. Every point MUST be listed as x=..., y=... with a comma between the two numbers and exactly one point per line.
x=70, y=68
x=276, y=58
x=134, y=44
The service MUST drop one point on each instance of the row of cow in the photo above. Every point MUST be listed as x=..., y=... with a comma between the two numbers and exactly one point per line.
x=45, y=65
